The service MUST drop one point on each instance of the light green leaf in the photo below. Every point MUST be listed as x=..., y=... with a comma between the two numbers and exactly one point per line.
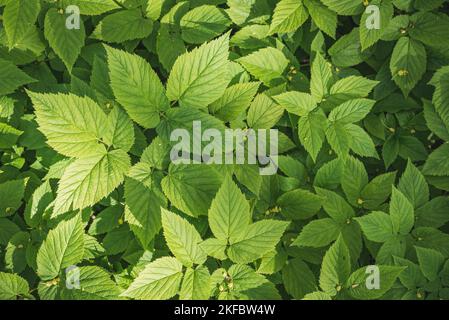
x=258, y=239
x=63, y=247
x=311, y=132
x=414, y=186
x=267, y=65
x=288, y=16
x=95, y=284
x=182, y=239
x=160, y=280
x=229, y=214
x=318, y=233
x=195, y=284
x=137, y=87
x=200, y=76
x=376, y=226
x=72, y=125
x=92, y=7
x=336, y=268
x=369, y=32
x=203, y=23
x=321, y=77
x=264, y=113
x=235, y=100
x=351, y=111
x=123, y=25
x=88, y=180
x=357, y=282
x=12, y=286
x=298, y=103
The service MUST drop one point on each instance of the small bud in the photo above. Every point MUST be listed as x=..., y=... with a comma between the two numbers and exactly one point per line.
x=360, y=201
x=403, y=73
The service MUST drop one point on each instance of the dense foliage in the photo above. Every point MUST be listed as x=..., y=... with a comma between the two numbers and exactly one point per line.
x=91, y=207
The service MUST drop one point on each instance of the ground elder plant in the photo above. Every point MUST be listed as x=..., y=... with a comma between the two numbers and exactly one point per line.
x=135, y=137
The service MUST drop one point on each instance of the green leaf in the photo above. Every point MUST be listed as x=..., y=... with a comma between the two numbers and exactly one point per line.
x=414, y=186
x=298, y=103
x=318, y=233
x=377, y=226
x=288, y=16
x=357, y=282
x=408, y=64
x=88, y=180
x=264, y=113
x=344, y=7
x=11, y=77
x=377, y=191
x=12, y=286
x=267, y=65
x=298, y=278
x=66, y=43
x=62, y=248
x=7, y=230
x=136, y=87
x=347, y=52
x=143, y=204
x=160, y=280
x=354, y=178
x=299, y=204
x=200, y=76
x=362, y=144
x=195, y=284
x=122, y=26
x=436, y=164
x=430, y=262
x=257, y=239
x=95, y=284
x=182, y=239
x=229, y=214
x=74, y=130
x=335, y=205
x=428, y=27
x=92, y=7
x=352, y=87
x=119, y=131
x=401, y=212
x=370, y=33
x=311, y=132
x=215, y=248
x=203, y=23
x=325, y=19
x=235, y=100
x=336, y=268
x=351, y=111
x=18, y=18
x=321, y=78
x=191, y=188
x=11, y=196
